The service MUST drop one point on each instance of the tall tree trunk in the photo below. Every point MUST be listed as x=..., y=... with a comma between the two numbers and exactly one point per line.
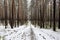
x=59, y=15
x=51, y=16
x=54, y=8
x=43, y=14
x=12, y=12
x=5, y=8
x=40, y=18
x=18, y=14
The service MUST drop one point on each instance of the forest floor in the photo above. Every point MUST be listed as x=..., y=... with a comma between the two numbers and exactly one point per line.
x=28, y=32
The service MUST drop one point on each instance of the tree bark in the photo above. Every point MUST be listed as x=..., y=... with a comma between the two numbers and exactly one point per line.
x=54, y=8
x=5, y=9
x=59, y=15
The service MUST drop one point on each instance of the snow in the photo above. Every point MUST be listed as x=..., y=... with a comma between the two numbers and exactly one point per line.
x=28, y=32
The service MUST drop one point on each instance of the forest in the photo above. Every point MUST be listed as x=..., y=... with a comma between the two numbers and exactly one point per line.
x=29, y=19
x=44, y=13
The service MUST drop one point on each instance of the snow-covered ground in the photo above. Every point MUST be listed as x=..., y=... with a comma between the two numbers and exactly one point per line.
x=28, y=32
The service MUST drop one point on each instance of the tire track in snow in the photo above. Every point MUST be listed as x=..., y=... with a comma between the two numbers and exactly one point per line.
x=32, y=35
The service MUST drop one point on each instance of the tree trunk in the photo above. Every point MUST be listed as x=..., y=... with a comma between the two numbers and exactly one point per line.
x=5, y=9
x=59, y=15
x=54, y=7
x=12, y=12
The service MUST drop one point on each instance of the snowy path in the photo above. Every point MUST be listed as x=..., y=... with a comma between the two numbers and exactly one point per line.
x=28, y=33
